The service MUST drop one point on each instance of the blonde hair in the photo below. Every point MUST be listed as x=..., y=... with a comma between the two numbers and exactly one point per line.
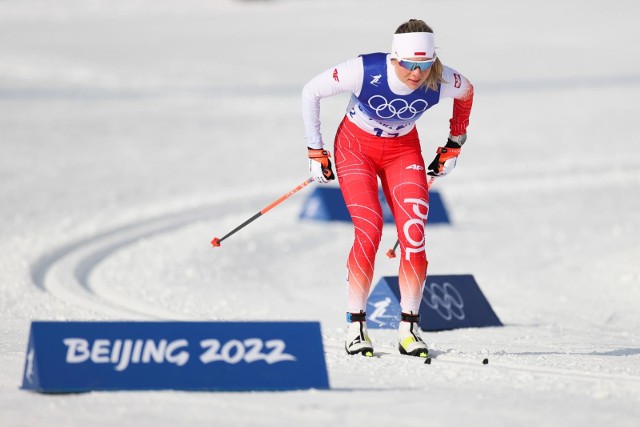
x=419, y=26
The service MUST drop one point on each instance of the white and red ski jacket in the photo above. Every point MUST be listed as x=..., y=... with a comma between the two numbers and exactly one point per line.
x=350, y=76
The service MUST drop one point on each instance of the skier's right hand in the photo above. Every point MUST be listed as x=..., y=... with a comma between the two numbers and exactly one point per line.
x=320, y=165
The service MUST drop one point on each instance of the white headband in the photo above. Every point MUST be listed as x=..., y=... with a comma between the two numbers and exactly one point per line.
x=409, y=45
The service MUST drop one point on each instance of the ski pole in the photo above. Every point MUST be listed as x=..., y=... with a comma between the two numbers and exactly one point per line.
x=391, y=253
x=216, y=241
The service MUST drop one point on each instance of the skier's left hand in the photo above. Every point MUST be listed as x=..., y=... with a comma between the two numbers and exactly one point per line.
x=446, y=157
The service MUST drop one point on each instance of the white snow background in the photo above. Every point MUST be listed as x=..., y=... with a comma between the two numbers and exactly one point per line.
x=133, y=132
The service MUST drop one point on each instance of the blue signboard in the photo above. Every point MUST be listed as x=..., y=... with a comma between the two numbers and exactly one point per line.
x=327, y=204
x=448, y=302
x=229, y=356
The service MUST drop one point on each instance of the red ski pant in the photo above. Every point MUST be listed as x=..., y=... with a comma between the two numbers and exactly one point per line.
x=360, y=159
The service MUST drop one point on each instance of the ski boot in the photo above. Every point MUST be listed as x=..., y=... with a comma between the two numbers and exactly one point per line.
x=410, y=342
x=357, y=340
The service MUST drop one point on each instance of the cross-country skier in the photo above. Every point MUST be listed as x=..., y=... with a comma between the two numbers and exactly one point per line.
x=378, y=139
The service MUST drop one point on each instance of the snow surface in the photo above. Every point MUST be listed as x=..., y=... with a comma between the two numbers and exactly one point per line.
x=133, y=132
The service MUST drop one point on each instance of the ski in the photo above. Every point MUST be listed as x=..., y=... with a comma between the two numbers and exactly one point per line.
x=434, y=358
x=455, y=359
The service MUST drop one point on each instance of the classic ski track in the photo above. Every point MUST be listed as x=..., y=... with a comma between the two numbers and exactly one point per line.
x=66, y=272
x=495, y=361
x=496, y=364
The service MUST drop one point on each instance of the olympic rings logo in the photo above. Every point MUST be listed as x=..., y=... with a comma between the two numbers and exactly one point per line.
x=397, y=107
x=445, y=300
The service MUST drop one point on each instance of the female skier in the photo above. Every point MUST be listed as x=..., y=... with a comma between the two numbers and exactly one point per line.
x=378, y=139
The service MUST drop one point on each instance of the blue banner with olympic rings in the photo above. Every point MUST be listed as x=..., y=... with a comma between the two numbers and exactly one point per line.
x=448, y=302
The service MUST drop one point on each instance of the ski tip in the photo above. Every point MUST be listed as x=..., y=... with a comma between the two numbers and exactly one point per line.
x=215, y=242
x=391, y=253
x=427, y=361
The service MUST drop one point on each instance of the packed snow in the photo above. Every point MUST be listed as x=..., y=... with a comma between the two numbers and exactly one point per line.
x=133, y=132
